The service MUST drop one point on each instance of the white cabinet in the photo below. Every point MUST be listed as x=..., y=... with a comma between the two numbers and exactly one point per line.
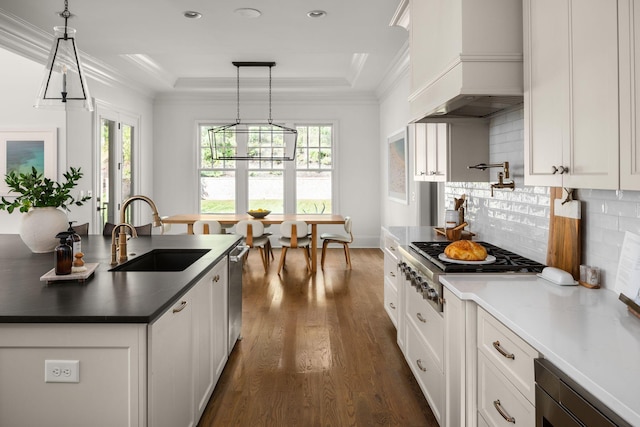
x=424, y=349
x=391, y=303
x=506, y=383
x=171, y=391
x=629, y=24
x=443, y=151
x=456, y=343
x=426, y=371
x=499, y=402
x=463, y=48
x=187, y=352
x=209, y=331
x=571, y=93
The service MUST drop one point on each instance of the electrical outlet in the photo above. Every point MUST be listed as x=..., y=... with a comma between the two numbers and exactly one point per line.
x=62, y=371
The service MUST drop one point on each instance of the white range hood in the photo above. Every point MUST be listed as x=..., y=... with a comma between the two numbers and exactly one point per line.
x=466, y=58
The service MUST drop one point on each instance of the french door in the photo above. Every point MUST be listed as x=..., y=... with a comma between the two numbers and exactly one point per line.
x=117, y=141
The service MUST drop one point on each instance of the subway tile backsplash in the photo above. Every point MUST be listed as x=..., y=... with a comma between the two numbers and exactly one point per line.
x=519, y=220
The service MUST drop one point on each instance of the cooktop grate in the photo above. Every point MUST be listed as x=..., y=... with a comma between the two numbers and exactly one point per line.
x=506, y=261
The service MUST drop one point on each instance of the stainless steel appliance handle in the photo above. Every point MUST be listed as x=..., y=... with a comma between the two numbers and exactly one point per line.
x=509, y=419
x=238, y=257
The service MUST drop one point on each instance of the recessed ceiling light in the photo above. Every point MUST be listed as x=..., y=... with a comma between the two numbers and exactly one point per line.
x=246, y=12
x=192, y=14
x=317, y=14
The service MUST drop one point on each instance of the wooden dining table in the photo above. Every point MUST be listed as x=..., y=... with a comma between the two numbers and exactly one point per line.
x=230, y=219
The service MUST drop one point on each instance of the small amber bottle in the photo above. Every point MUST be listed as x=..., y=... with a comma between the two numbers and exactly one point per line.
x=63, y=255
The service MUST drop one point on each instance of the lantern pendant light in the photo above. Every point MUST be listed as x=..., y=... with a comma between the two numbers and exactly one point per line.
x=264, y=141
x=64, y=84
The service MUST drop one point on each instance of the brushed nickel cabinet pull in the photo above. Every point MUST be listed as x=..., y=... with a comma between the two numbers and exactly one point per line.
x=419, y=363
x=420, y=318
x=496, y=345
x=392, y=305
x=183, y=304
x=392, y=248
x=561, y=169
x=496, y=404
x=216, y=278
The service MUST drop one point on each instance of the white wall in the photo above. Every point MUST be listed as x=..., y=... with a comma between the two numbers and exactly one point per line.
x=175, y=152
x=394, y=116
x=19, y=82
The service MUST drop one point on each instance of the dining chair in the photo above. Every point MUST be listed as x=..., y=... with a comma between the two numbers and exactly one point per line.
x=254, y=237
x=294, y=235
x=81, y=229
x=207, y=227
x=344, y=240
x=141, y=230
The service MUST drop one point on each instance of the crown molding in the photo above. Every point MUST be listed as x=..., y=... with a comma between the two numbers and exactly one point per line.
x=401, y=17
x=297, y=97
x=398, y=69
x=229, y=84
x=29, y=41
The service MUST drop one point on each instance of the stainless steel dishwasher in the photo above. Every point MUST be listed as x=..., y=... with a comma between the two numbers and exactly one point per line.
x=561, y=402
x=236, y=257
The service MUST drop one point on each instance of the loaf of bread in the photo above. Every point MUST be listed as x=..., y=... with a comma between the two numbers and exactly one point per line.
x=466, y=250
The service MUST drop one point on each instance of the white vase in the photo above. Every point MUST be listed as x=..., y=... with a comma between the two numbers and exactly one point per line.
x=39, y=227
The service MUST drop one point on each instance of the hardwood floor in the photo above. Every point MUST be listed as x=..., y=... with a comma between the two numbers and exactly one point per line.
x=317, y=351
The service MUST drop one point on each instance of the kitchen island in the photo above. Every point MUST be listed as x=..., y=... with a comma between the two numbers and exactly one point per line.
x=116, y=324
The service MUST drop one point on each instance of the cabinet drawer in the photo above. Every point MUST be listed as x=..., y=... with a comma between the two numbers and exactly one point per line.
x=391, y=301
x=499, y=400
x=428, y=323
x=510, y=353
x=391, y=246
x=430, y=377
x=391, y=269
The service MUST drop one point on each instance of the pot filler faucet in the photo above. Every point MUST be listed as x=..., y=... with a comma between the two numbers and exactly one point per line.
x=501, y=175
x=119, y=231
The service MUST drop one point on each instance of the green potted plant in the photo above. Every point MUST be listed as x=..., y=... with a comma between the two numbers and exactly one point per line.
x=42, y=200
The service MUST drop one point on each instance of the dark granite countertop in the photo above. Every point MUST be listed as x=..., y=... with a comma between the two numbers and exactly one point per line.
x=105, y=297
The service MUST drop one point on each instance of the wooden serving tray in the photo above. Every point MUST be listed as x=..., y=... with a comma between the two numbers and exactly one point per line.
x=51, y=275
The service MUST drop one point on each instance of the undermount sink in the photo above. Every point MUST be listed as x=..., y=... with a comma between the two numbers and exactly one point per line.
x=162, y=260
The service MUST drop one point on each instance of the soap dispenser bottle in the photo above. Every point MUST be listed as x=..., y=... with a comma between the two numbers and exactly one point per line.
x=75, y=239
x=63, y=254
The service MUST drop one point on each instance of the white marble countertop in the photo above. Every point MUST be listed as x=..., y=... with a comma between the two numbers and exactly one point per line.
x=587, y=333
x=406, y=235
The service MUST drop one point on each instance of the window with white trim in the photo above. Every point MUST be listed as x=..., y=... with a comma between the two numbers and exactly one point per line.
x=304, y=185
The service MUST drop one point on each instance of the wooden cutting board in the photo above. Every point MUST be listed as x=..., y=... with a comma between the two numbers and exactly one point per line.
x=564, y=248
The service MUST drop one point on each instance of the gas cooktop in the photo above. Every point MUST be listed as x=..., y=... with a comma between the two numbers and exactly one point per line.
x=506, y=261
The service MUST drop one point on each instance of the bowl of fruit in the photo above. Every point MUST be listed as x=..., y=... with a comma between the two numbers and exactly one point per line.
x=259, y=213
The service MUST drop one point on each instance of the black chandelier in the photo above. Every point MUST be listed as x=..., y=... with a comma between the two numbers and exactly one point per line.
x=64, y=84
x=265, y=141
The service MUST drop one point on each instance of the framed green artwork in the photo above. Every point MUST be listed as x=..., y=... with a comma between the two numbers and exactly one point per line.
x=20, y=150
